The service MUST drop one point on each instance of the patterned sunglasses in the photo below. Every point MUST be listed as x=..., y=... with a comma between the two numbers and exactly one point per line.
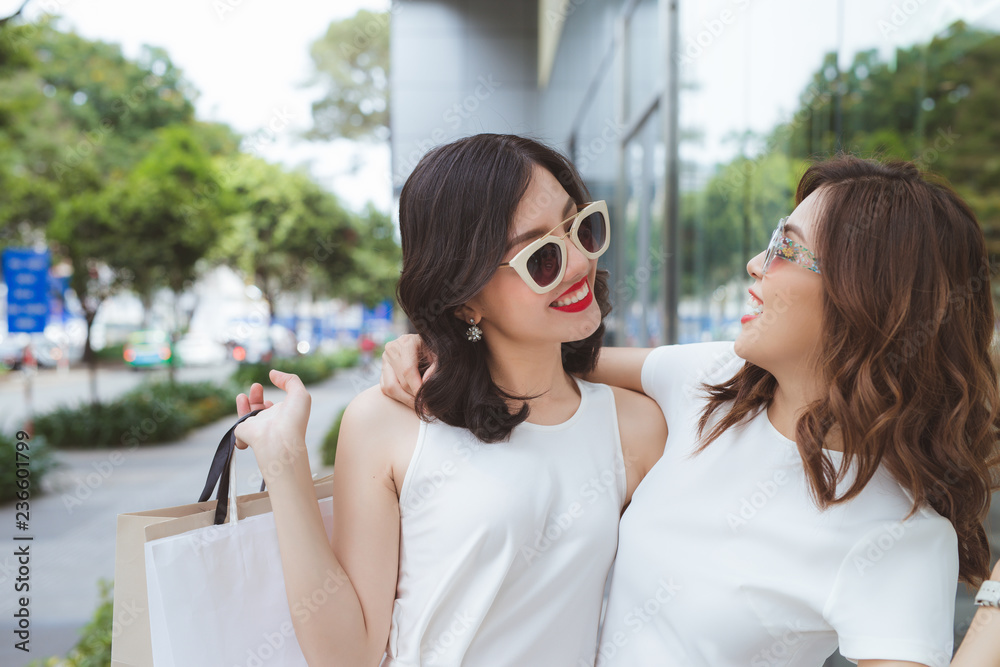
x=784, y=247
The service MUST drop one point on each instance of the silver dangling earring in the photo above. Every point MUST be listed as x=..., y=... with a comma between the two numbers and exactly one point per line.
x=474, y=334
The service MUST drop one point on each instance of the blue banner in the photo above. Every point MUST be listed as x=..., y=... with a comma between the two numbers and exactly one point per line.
x=26, y=273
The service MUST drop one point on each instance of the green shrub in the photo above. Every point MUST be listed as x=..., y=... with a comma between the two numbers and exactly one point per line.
x=111, y=353
x=329, y=449
x=311, y=369
x=154, y=412
x=39, y=463
x=346, y=357
x=94, y=647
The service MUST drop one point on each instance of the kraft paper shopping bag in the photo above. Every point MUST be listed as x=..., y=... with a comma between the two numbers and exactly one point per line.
x=193, y=541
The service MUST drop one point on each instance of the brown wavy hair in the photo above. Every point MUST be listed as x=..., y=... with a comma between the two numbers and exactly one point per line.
x=905, y=353
x=455, y=216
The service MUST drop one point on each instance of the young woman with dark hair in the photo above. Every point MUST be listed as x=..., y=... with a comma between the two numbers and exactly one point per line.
x=826, y=477
x=478, y=529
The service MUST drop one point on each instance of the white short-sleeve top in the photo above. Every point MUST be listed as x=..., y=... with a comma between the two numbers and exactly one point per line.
x=724, y=559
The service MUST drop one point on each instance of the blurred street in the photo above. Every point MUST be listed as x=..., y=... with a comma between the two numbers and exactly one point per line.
x=74, y=524
x=52, y=388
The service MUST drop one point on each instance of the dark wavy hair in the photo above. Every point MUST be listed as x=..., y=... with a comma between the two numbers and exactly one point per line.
x=905, y=354
x=455, y=216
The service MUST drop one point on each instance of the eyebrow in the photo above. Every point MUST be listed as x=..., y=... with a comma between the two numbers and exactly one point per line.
x=795, y=230
x=521, y=238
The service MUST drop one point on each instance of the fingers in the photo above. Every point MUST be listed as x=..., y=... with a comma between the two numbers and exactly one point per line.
x=391, y=387
x=287, y=382
x=242, y=405
x=255, y=400
x=240, y=444
x=403, y=357
x=256, y=395
x=430, y=370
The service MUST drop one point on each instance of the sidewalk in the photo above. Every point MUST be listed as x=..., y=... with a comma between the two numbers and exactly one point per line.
x=73, y=517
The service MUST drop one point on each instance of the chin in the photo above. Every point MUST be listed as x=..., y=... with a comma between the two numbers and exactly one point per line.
x=748, y=349
x=584, y=329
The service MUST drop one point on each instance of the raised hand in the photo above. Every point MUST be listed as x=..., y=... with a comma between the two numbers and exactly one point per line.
x=276, y=435
x=255, y=401
x=401, y=378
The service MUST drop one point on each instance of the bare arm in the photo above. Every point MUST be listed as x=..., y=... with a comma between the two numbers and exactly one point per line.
x=981, y=646
x=400, y=381
x=620, y=367
x=341, y=597
x=643, y=434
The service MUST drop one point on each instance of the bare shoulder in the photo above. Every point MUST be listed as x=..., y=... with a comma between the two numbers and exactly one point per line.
x=642, y=428
x=378, y=433
x=373, y=408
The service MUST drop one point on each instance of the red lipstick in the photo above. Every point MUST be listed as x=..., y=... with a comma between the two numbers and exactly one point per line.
x=579, y=305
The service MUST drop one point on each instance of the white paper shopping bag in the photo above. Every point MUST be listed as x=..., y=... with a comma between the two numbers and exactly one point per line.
x=217, y=596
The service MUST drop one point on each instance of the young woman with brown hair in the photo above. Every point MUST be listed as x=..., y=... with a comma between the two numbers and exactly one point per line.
x=826, y=477
x=478, y=529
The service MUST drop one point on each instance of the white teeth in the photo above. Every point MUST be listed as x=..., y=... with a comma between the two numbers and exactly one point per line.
x=573, y=298
x=756, y=307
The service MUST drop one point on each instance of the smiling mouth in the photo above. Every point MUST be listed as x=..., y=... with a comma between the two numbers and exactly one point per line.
x=754, y=308
x=756, y=305
x=573, y=295
x=576, y=298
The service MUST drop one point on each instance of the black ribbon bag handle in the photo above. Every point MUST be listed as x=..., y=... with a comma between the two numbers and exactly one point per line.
x=220, y=472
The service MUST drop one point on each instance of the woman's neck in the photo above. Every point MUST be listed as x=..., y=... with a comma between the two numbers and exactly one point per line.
x=535, y=371
x=794, y=393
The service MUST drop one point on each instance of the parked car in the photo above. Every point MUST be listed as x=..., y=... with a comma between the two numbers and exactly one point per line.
x=147, y=349
x=199, y=349
x=254, y=349
x=56, y=345
x=12, y=349
x=262, y=345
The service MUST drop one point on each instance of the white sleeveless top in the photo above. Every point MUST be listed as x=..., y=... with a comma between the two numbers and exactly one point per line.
x=505, y=548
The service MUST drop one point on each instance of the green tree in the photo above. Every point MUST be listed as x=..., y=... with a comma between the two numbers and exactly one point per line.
x=286, y=227
x=172, y=210
x=934, y=103
x=77, y=120
x=352, y=66
x=375, y=261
